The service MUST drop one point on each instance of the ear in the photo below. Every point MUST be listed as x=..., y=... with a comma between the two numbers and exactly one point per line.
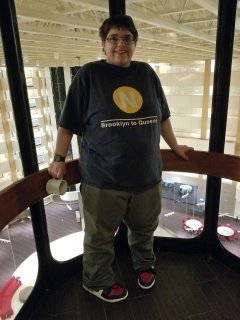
x=103, y=45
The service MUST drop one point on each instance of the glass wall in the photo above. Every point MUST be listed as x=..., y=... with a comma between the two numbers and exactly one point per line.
x=183, y=205
x=18, y=259
x=229, y=211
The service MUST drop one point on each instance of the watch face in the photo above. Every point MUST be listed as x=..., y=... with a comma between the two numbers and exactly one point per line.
x=58, y=158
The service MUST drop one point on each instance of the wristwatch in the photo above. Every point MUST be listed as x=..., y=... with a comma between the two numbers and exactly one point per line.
x=58, y=158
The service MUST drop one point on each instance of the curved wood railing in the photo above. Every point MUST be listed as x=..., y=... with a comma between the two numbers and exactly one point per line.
x=29, y=190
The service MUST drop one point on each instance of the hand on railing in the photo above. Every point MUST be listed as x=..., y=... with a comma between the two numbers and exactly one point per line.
x=182, y=150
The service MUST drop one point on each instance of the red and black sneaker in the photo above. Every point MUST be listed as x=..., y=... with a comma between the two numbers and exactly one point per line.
x=146, y=278
x=115, y=293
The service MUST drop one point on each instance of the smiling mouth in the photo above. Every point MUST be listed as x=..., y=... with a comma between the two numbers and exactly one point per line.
x=121, y=52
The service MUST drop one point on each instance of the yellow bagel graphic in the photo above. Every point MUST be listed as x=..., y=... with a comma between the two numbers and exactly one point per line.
x=128, y=99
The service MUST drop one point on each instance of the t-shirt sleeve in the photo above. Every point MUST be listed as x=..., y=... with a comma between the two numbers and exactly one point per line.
x=165, y=109
x=73, y=109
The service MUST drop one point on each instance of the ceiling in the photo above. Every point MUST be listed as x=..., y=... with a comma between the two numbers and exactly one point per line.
x=65, y=32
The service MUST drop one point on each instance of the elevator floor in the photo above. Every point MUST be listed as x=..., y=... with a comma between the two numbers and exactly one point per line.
x=188, y=287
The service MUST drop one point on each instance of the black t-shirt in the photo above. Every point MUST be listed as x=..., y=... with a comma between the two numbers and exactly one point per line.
x=118, y=112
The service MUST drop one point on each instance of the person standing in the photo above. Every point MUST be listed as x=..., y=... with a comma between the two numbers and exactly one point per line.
x=118, y=107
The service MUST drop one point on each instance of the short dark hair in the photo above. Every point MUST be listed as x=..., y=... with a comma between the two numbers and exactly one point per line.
x=120, y=22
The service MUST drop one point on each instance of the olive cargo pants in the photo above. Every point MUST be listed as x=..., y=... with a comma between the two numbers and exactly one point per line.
x=103, y=211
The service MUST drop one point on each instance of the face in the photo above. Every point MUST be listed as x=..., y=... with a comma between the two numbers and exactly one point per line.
x=119, y=47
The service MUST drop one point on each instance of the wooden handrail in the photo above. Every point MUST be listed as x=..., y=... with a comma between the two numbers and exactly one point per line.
x=29, y=190
x=201, y=162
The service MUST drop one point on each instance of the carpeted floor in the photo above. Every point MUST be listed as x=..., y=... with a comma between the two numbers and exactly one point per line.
x=173, y=191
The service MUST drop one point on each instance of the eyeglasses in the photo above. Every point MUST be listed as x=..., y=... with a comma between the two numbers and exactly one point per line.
x=115, y=39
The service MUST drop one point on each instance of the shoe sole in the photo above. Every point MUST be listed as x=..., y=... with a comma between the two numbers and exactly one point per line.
x=98, y=295
x=144, y=287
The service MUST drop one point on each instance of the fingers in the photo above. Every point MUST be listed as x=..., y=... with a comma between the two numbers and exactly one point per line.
x=182, y=151
x=187, y=148
x=184, y=156
x=57, y=170
x=58, y=174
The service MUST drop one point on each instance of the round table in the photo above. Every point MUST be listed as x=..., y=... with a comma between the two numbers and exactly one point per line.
x=193, y=224
x=225, y=231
